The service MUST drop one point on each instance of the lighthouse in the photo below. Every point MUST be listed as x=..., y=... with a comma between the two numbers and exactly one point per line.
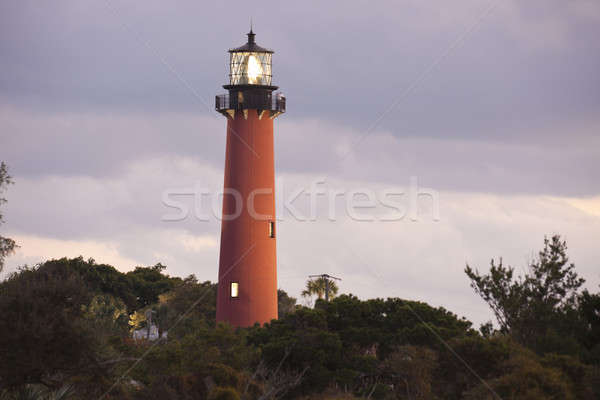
x=247, y=288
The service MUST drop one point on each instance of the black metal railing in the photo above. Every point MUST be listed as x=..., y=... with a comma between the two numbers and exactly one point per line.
x=259, y=101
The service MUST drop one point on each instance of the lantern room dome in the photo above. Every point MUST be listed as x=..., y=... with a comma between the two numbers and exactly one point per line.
x=251, y=46
x=250, y=65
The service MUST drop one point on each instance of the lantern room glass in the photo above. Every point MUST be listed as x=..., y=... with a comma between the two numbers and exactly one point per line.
x=250, y=68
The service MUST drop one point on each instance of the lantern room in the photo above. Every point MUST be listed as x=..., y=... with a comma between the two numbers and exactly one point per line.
x=250, y=64
x=250, y=82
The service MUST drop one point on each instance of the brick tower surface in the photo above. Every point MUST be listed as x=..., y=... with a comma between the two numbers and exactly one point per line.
x=247, y=288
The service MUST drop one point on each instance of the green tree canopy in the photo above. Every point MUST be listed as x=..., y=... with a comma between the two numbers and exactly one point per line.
x=44, y=333
x=285, y=303
x=540, y=308
x=7, y=245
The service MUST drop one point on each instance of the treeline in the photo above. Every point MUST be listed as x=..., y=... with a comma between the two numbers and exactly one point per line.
x=67, y=331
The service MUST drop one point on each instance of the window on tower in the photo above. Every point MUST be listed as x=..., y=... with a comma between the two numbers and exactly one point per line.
x=235, y=289
x=271, y=229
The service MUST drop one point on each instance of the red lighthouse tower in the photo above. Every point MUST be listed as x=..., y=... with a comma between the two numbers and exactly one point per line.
x=247, y=291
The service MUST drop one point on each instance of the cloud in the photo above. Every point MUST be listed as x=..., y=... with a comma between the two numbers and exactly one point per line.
x=524, y=62
x=103, y=144
x=182, y=252
x=425, y=259
x=589, y=205
x=120, y=220
x=34, y=249
x=554, y=159
x=547, y=25
x=197, y=243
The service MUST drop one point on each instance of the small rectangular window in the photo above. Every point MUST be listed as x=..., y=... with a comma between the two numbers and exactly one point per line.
x=271, y=229
x=235, y=289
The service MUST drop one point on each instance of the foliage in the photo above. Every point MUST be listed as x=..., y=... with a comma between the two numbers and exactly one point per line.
x=137, y=320
x=410, y=369
x=149, y=282
x=38, y=392
x=107, y=313
x=67, y=324
x=344, y=339
x=226, y=393
x=136, y=289
x=61, y=319
x=318, y=287
x=285, y=303
x=41, y=310
x=523, y=377
x=589, y=326
x=196, y=300
x=102, y=279
x=534, y=308
x=7, y=245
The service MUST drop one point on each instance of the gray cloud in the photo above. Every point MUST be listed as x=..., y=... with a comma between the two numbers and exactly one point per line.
x=525, y=63
x=106, y=144
x=119, y=219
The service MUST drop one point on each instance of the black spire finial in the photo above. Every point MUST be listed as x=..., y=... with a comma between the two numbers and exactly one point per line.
x=251, y=34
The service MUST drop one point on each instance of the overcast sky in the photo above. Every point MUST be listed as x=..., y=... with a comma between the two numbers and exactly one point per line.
x=105, y=105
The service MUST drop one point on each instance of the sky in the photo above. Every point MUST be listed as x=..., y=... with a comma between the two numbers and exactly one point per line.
x=493, y=106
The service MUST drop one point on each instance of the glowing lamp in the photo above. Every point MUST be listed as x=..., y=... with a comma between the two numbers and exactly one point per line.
x=250, y=64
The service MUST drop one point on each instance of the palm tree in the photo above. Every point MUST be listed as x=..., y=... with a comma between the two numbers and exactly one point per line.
x=319, y=287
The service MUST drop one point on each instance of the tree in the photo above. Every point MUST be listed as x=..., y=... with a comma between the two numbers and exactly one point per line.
x=108, y=315
x=103, y=279
x=45, y=337
x=411, y=369
x=285, y=303
x=342, y=342
x=538, y=305
x=197, y=301
x=523, y=376
x=149, y=282
x=589, y=312
x=318, y=287
x=137, y=289
x=7, y=245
